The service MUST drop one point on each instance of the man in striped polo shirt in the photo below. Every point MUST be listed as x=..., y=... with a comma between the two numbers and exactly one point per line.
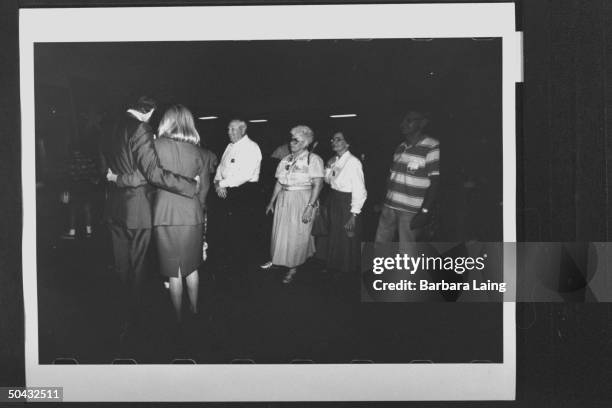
x=413, y=183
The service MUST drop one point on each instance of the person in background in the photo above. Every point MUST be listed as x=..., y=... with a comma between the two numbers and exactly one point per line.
x=281, y=152
x=293, y=202
x=413, y=183
x=210, y=158
x=82, y=176
x=348, y=193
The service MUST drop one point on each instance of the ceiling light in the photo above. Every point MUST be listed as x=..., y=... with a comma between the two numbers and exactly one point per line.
x=208, y=117
x=344, y=115
x=258, y=120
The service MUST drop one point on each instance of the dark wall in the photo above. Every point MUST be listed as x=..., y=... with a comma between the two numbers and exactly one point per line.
x=11, y=299
x=565, y=151
x=563, y=350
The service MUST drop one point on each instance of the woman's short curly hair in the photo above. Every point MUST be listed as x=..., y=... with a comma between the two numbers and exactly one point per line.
x=305, y=132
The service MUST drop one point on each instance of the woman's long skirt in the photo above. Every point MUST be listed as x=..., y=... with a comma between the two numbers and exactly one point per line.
x=291, y=242
x=343, y=253
x=178, y=246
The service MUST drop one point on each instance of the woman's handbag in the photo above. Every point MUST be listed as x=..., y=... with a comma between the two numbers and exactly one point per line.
x=320, y=223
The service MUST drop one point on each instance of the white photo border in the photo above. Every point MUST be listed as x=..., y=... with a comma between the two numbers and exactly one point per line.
x=269, y=382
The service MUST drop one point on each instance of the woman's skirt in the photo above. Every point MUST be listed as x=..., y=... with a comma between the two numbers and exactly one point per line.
x=291, y=242
x=343, y=252
x=178, y=246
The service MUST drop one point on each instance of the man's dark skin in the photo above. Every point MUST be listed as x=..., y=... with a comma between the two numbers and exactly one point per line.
x=411, y=129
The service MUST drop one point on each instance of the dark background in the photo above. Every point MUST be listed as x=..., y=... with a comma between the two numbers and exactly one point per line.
x=458, y=81
x=564, y=351
x=288, y=82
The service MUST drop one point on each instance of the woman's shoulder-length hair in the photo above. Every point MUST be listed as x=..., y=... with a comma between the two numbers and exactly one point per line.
x=178, y=124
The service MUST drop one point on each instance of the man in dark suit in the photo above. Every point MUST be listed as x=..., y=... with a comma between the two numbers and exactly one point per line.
x=130, y=157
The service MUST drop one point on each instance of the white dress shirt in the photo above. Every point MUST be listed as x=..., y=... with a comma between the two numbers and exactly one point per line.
x=240, y=163
x=345, y=174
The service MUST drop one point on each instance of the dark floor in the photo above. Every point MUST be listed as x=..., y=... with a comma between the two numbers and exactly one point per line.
x=248, y=317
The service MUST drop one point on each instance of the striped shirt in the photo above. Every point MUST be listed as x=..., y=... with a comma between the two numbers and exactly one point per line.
x=410, y=174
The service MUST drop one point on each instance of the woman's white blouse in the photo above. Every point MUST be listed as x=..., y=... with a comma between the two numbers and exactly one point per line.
x=345, y=174
x=298, y=172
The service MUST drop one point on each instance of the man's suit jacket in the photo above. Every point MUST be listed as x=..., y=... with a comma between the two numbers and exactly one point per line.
x=129, y=152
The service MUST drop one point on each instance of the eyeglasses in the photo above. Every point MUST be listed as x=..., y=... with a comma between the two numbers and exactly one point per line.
x=337, y=139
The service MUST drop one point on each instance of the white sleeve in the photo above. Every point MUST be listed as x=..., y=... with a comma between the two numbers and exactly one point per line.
x=358, y=190
x=221, y=167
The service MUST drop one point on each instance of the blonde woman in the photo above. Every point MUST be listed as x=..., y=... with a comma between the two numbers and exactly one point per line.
x=177, y=220
x=299, y=181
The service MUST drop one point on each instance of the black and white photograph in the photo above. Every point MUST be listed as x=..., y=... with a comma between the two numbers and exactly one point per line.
x=296, y=203
x=232, y=270
x=196, y=197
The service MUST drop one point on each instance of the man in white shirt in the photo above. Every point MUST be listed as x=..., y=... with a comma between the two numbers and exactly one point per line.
x=236, y=183
x=241, y=160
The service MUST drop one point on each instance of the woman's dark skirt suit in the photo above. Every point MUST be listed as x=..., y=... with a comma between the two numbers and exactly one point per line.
x=177, y=220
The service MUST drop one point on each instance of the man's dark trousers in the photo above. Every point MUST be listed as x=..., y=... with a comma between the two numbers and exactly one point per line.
x=243, y=210
x=129, y=250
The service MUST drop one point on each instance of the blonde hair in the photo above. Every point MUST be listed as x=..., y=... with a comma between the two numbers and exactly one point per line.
x=305, y=132
x=177, y=123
